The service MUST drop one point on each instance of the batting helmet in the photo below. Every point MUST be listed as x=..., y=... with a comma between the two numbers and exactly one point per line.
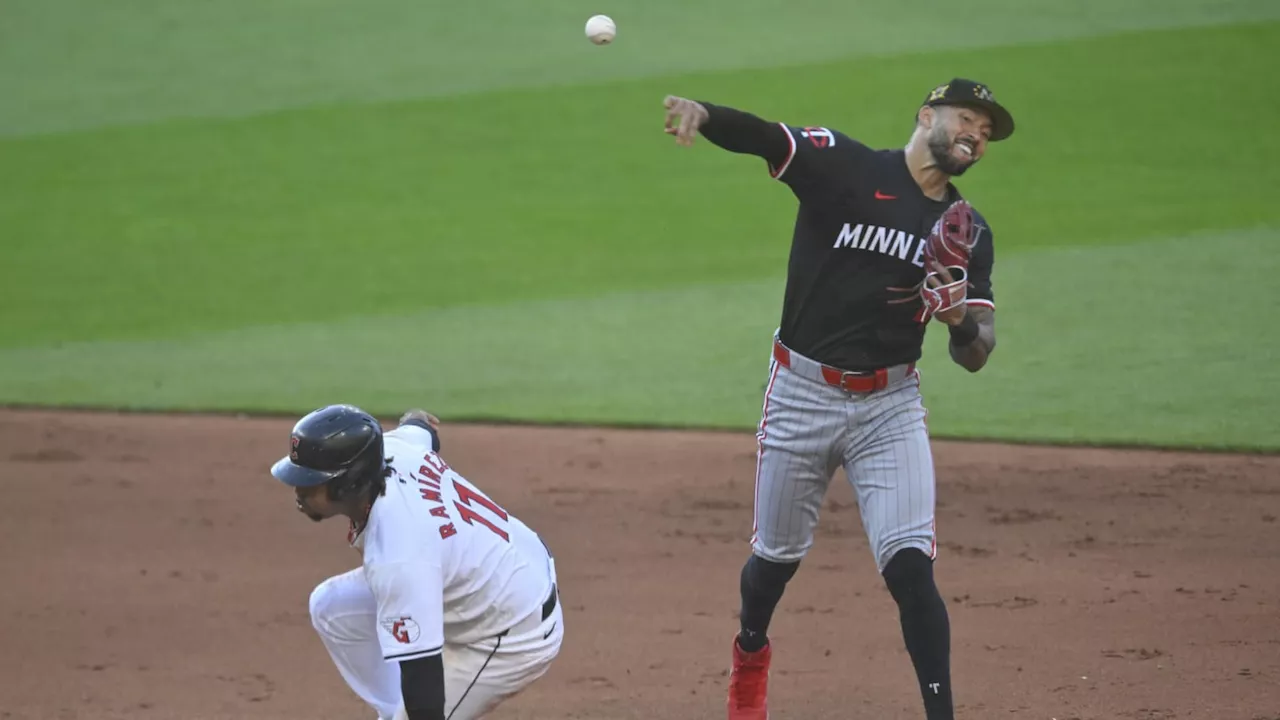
x=338, y=444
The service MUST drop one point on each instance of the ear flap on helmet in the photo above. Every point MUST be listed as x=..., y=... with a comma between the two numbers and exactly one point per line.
x=363, y=472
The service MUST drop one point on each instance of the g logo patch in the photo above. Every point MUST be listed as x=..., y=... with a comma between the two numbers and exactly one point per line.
x=403, y=629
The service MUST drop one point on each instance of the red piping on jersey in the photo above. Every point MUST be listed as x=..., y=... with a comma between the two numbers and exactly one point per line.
x=790, y=156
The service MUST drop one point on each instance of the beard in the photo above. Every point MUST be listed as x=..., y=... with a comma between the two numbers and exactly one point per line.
x=940, y=147
x=314, y=516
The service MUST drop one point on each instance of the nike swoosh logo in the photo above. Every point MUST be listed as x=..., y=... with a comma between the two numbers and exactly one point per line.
x=882, y=196
x=553, y=629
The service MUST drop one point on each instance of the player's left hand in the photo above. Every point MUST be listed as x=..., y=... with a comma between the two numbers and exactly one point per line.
x=943, y=295
x=953, y=237
x=422, y=415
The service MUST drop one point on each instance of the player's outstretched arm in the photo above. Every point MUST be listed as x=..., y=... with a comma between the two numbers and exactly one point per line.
x=973, y=337
x=422, y=685
x=733, y=130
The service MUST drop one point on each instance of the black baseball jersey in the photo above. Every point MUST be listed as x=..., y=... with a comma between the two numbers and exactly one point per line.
x=858, y=243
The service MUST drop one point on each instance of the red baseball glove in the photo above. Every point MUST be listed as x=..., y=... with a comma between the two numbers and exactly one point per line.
x=952, y=239
x=949, y=245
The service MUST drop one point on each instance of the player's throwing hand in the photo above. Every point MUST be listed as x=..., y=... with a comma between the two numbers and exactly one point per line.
x=689, y=114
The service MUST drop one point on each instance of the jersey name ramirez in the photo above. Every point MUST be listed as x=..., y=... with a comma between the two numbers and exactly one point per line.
x=432, y=472
x=874, y=238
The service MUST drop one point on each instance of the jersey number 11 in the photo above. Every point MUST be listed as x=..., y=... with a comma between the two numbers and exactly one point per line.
x=468, y=495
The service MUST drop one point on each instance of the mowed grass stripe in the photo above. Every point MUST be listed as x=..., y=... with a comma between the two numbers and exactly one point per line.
x=1125, y=344
x=196, y=227
x=79, y=64
x=1159, y=343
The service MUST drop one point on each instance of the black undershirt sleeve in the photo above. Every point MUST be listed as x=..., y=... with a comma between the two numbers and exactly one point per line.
x=741, y=132
x=422, y=684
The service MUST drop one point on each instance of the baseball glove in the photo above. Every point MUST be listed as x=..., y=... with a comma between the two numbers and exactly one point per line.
x=952, y=239
x=949, y=245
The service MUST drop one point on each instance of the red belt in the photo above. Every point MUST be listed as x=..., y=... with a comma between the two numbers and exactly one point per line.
x=847, y=380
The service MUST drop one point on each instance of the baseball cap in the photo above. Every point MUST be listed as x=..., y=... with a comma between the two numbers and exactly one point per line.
x=967, y=92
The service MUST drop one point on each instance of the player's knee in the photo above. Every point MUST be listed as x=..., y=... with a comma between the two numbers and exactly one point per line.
x=321, y=605
x=338, y=598
x=766, y=576
x=785, y=550
x=909, y=576
x=329, y=601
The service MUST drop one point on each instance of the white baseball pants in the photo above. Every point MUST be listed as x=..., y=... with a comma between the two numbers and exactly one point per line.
x=478, y=677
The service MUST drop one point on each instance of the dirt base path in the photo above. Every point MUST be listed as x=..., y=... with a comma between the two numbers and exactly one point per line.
x=153, y=569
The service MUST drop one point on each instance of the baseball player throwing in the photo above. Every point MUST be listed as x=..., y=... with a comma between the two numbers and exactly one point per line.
x=455, y=608
x=883, y=244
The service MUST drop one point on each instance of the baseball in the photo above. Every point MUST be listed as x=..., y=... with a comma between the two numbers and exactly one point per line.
x=601, y=30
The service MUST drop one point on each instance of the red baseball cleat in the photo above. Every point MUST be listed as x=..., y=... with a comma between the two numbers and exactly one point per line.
x=749, y=683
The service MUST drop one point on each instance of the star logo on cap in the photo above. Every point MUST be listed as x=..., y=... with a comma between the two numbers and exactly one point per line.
x=939, y=92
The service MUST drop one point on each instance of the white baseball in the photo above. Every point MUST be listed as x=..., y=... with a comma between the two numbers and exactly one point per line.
x=601, y=29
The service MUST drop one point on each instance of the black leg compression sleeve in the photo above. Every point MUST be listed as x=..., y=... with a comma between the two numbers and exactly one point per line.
x=762, y=585
x=925, y=628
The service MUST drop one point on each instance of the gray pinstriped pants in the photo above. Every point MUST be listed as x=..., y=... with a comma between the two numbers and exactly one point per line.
x=808, y=429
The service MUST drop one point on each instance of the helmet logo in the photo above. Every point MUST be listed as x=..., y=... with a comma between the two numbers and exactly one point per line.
x=293, y=454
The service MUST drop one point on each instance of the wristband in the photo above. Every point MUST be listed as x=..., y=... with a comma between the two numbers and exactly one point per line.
x=964, y=333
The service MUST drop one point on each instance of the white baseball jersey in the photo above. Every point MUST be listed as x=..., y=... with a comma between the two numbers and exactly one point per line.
x=444, y=562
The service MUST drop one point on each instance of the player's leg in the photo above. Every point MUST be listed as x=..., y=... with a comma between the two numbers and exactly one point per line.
x=344, y=613
x=800, y=421
x=890, y=464
x=795, y=459
x=926, y=629
x=481, y=676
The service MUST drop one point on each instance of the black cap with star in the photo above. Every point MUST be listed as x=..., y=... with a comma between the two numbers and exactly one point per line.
x=967, y=92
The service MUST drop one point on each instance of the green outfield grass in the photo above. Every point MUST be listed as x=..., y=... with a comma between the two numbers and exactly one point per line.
x=76, y=64
x=1109, y=366
x=569, y=263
